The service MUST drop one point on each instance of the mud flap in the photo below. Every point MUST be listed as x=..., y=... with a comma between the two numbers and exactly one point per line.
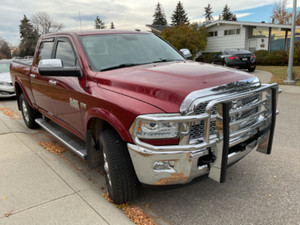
x=219, y=168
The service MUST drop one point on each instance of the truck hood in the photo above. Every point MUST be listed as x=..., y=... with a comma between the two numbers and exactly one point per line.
x=166, y=85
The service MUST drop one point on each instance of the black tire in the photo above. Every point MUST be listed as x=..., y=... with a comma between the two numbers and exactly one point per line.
x=251, y=69
x=29, y=114
x=121, y=180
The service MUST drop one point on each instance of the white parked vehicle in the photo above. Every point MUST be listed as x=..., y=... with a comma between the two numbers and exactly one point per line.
x=6, y=87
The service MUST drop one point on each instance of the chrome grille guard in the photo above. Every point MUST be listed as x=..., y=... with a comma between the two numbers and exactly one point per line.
x=266, y=116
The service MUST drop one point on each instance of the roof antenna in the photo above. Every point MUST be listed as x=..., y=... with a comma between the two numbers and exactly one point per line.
x=80, y=21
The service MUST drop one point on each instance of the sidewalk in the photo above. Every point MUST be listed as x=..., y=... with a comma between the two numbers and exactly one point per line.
x=39, y=187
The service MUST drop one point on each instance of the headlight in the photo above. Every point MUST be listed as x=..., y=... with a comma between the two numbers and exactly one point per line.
x=5, y=83
x=155, y=127
x=154, y=130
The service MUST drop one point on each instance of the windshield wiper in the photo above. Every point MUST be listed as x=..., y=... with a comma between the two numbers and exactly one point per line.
x=124, y=65
x=164, y=60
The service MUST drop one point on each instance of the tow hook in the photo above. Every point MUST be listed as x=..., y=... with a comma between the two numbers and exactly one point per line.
x=207, y=159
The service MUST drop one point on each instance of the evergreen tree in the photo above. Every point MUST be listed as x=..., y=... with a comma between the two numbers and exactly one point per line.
x=208, y=13
x=179, y=15
x=227, y=14
x=29, y=37
x=99, y=24
x=112, y=26
x=159, y=16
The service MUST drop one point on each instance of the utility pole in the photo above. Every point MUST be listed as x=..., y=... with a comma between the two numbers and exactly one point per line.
x=289, y=79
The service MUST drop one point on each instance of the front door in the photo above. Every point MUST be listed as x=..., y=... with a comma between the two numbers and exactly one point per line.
x=66, y=91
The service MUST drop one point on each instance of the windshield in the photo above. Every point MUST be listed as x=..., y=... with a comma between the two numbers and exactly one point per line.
x=4, y=67
x=111, y=51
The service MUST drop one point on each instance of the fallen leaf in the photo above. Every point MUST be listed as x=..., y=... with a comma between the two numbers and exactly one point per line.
x=133, y=212
x=3, y=198
x=53, y=147
x=8, y=214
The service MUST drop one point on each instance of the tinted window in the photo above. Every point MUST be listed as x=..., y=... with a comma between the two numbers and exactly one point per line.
x=239, y=52
x=64, y=51
x=45, y=50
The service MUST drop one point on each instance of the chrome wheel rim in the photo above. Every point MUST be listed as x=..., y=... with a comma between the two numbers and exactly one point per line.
x=106, y=168
x=25, y=111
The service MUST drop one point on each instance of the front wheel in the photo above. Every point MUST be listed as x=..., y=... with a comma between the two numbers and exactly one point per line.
x=29, y=114
x=121, y=180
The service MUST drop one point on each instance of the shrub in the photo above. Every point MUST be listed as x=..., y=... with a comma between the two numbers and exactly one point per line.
x=262, y=57
x=297, y=53
x=206, y=57
x=275, y=58
x=278, y=58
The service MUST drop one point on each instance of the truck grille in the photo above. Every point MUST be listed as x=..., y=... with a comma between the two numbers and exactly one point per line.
x=197, y=130
x=243, y=112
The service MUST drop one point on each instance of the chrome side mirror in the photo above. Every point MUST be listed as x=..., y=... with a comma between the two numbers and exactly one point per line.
x=186, y=53
x=54, y=67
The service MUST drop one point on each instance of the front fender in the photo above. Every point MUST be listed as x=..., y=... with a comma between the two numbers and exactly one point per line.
x=109, y=118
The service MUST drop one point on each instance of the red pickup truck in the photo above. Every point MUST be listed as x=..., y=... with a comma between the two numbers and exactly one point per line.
x=131, y=103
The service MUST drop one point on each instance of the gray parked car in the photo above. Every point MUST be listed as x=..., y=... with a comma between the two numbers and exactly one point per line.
x=6, y=87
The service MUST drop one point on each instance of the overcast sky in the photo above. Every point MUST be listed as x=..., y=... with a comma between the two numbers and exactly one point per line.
x=125, y=14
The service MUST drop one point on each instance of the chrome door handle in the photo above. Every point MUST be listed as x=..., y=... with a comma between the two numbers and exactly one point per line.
x=53, y=82
x=32, y=75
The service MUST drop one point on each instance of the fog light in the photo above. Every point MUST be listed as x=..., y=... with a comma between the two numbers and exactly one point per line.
x=164, y=166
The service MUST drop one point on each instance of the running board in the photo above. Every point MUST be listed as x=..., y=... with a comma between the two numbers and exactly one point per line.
x=68, y=139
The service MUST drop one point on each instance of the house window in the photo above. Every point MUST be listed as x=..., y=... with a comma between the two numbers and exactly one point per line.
x=259, y=32
x=213, y=34
x=232, y=32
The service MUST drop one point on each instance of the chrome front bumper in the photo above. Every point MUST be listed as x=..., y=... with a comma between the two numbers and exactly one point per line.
x=7, y=91
x=167, y=168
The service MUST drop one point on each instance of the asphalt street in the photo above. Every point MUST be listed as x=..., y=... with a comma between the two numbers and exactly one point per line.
x=260, y=189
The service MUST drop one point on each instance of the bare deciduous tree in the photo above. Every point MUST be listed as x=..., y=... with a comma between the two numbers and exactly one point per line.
x=280, y=13
x=43, y=23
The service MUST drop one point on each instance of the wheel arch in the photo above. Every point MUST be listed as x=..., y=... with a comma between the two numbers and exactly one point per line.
x=99, y=119
x=96, y=124
x=18, y=91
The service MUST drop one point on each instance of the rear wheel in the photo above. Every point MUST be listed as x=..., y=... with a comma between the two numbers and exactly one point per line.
x=251, y=69
x=121, y=180
x=29, y=114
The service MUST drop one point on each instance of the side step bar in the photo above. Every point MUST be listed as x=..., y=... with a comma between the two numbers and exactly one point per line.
x=72, y=142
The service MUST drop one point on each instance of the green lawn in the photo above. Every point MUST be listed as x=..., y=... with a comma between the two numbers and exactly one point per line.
x=280, y=73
